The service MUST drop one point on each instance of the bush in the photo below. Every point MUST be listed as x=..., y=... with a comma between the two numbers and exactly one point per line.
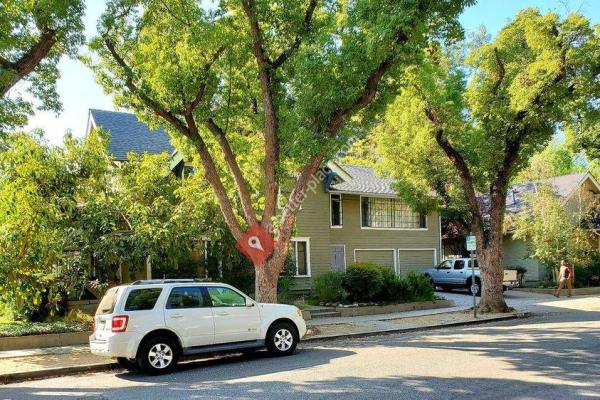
x=393, y=287
x=363, y=281
x=329, y=287
x=420, y=288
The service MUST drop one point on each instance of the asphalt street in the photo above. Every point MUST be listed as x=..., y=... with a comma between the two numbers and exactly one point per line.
x=555, y=356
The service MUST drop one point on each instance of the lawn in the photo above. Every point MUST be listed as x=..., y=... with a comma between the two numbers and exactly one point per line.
x=74, y=322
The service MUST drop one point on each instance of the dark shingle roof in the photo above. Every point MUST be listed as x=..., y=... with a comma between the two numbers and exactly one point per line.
x=517, y=194
x=128, y=134
x=364, y=180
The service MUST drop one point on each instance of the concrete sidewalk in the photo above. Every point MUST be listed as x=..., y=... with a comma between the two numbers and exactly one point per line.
x=19, y=365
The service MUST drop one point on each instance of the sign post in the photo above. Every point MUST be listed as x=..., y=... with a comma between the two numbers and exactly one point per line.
x=471, y=247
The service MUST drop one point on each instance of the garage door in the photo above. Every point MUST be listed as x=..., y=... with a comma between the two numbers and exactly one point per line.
x=380, y=257
x=415, y=260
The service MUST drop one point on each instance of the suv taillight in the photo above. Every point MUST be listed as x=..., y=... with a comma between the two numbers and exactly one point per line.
x=119, y=323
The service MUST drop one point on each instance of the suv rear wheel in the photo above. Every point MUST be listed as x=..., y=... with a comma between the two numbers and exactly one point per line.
x=282, y=339
x=158, y=355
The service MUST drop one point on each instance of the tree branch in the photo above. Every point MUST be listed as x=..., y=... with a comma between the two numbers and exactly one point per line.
x=285, y=55
x=240, y=182
x=28, y=61
x=338, y=117
x=461, y=166
x=501, y=72
x=190, y=131
x=202, y=87
x=271, y=123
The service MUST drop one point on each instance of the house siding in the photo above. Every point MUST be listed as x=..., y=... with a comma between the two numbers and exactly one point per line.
x=516, y=253
x=313, y=221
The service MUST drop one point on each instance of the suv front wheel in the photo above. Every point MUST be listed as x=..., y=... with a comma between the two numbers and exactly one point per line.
x=158, y=355
x=282, y=339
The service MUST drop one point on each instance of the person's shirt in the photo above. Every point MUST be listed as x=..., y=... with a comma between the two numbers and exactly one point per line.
x=563, y=272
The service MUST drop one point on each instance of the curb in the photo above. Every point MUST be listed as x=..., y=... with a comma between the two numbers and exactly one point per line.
x=54, y=372
x=415, y=329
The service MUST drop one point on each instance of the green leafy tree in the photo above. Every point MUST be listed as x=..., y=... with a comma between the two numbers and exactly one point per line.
x=553, y=232
x=35, y=33
x=463, y=127
x=282, y=81
x=554, y=160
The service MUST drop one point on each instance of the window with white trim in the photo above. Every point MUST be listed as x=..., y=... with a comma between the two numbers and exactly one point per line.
x=301, y=256
x=379, y=212
x=336, y=209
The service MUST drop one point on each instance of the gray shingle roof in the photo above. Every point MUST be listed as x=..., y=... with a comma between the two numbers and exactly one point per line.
x=364, y=180
x=128, y=134
x=517, y=194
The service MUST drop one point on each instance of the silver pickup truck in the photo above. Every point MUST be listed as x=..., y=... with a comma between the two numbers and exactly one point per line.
x=455, y=273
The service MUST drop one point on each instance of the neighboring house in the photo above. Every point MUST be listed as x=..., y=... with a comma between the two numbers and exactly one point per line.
x=128, y=134
x=355, y=216
x=576, y=191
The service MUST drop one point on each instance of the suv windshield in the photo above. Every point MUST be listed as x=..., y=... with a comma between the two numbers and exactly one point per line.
x=107, y=305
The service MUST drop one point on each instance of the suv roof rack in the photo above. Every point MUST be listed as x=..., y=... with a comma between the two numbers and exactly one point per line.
x=161, y=281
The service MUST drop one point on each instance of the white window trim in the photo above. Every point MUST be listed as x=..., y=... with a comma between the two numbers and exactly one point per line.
x=338, y=245
x=394, y=258
x=308, y=270
x=368, y=228
x=341, y=211
x=435, y=257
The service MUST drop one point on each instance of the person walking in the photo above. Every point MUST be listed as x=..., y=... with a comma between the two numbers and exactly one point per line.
x=565, y=278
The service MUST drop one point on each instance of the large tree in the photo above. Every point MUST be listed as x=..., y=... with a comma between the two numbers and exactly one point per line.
x=464, y=126
x=283, y=80
x=35, y=33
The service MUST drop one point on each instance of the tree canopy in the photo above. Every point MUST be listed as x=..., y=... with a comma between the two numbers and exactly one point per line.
x=35, y=33
x=467, y=121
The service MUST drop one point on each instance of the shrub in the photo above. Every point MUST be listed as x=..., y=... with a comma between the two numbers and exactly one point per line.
x=329, y=287
x=393, y=288
x=420, y=287
x=363, y=281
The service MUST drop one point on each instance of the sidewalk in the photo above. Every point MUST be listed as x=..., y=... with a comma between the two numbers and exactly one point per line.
x=19, y=365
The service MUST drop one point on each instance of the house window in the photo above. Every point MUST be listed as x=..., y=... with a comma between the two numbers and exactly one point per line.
x=302, y=256
x=385, y=213
x=336, y=209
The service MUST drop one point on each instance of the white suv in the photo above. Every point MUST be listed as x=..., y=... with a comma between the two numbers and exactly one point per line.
x=151, y=324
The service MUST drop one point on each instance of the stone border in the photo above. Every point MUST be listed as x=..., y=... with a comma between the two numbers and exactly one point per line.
x=45, y=340
x=584, y=291
x=386, y=309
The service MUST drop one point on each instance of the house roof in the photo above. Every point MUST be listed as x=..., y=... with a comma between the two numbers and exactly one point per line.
x=363, y=180
x=129, y=135
x=563, y=186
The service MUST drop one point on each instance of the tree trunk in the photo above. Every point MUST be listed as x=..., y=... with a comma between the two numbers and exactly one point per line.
x=492, y=274
x=266, y=279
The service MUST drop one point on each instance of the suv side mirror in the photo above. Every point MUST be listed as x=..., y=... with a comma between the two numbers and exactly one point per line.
x=249, y=303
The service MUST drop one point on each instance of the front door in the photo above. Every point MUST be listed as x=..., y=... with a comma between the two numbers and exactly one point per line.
x=188, y=313
x=234, y=321
x=457, y=277
x=443, y=271
x=338, y=258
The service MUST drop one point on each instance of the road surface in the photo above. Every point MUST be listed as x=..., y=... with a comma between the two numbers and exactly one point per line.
x=556, y=356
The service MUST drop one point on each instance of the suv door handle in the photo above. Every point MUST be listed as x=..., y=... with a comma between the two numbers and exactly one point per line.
x=174, y=316
x=222, y=313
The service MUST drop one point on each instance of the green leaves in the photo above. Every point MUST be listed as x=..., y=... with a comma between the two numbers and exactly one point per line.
x=35, y=33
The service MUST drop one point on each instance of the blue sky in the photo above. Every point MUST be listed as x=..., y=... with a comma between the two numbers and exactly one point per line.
x=79, y=91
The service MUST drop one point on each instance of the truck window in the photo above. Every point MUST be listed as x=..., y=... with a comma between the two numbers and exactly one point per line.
x=446, y=265
x=459, y=264
x=476, y=264
x=142, y=299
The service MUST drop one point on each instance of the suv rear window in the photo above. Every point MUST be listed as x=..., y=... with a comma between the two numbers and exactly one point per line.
x=107, y=304
x=142, y=299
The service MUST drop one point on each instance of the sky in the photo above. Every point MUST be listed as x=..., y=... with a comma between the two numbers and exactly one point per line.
x=79, y=92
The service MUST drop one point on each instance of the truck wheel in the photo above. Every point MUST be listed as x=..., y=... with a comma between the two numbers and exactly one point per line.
x=158, y=355
x=282, y=339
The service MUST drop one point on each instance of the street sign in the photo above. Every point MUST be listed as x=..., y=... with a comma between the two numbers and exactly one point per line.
x=471, y=243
